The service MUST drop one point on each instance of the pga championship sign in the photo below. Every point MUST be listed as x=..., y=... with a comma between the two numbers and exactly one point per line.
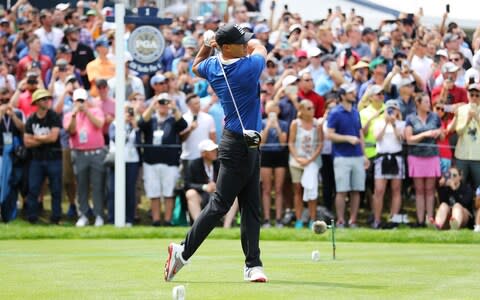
x=146, y=45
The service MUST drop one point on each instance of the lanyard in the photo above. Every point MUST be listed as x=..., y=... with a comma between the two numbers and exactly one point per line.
x=209, y=171
x=7, y=123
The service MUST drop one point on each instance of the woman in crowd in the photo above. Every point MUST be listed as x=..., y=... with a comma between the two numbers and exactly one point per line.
x=421, y=132
x=305, y=145
x=274, y=162
x=455, y=201
x=389, y=162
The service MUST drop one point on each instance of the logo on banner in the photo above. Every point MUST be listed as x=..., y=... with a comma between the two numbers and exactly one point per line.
x=146, y=45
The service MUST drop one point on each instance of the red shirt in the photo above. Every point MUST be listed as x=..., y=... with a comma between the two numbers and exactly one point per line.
x=24, y=64
x=444, y=145
x=317, y=100
x=459, y=94
x=25, y=104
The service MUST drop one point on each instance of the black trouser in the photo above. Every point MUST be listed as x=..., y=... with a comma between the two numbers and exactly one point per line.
x=328, y=181
x=239, y=175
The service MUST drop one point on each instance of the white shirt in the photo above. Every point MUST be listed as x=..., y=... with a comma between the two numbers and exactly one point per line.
x=206, y=125
x=53, y=37
x=423, y=67
x=389, y=143
x=8, y=79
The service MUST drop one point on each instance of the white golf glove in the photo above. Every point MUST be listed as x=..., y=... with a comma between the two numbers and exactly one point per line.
x=208, y=37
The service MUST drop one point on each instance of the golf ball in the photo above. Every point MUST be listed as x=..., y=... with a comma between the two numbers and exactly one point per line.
x=315, y=255
x=178, y=292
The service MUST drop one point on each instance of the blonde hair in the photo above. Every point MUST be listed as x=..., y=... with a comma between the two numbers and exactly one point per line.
x=302, y=106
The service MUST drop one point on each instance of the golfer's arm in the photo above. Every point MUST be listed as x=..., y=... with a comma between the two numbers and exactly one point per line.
x=255, y=47
x=203, y=54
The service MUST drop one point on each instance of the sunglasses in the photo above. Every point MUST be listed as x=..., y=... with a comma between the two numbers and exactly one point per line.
x=455, y=59
x=475, y=95
x=439, y=108
x=80, y=100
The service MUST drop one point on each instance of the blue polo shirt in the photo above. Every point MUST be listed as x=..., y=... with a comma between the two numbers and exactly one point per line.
x=345, y=123
x=243, y=76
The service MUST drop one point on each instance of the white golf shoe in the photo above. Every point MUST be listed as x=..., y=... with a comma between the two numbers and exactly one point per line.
x=254, y=274
x=174, y=261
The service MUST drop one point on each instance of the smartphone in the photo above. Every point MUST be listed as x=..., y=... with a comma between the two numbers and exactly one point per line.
x=286, y=7
x=272, y=116
x=398, y=63
x=272, y=6
x=291, y=89
x=348, y=52
x=390, y=111
x=330, y=11
x=448, y=108
x=447, y=8
x=410, y=16
x=353, y=10
x=195, y=117
x=337, y=8
x=131, y=111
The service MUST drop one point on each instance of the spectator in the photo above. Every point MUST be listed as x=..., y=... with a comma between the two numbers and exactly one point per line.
x=84, y=124
x=42, y=137
x=159, y=84
x=406, y=101
x=274, y=162
x=161, y=154
x=354, y=36
x=287, y=99
x=106, y=104
x=448, y=91
x=455, y=198
x=326, y=40
x=22, y=98
x=72, y=18
x=47, y=33
x=81, y=53
x=200, y=177
x=174, y=50
x=388, y=164
x=7, y=80
x=421, y=132
x=420, y=62
x=378, y=66
x=350, y=161
x=305, y=91
x=132, y=166
x=101, y=67
x=201, y=126
x=444, y=148
x=305, y=144
x=211, y=105
x=467, y=127
x=34, y=61
x=11, y=135
x=174, y=91
x=330, y=78
x=133, y=84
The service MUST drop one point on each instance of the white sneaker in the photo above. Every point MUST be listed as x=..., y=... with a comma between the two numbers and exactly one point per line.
x=174, y=261
x=82, y=221
x=476, y=228
x=254, y=274
x=98, y=221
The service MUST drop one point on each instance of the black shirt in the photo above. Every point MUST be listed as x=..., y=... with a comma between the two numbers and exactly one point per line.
x=7, y=121
x=37, y=127
x=168, y=152
x=80, y=58
x=462, y=195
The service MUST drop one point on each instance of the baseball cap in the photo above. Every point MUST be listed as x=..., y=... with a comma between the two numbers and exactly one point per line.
x=178, y=30
x=101, y=42
x=474, y=86
x=347, y=88
x=22, y=21
x=313, y=52
x=70, y=29
x=328, y=57
x=163, y=96
x=207, y=145
x=101, y=82
x=359, y=65
x=442, y=52
x=289, y=59
x=64, y=48
x=377, y=61
x=3, y=21
x=91, y=12
x=247, y=26
x=392, y=103
x=367, y=30
x=450, y=37
x=212, y=19
x=374, y=89
x=61, y=62
x=158, y=78
x=70, y=78
x=288, y=80
x=384, y=40
x=62, y=6
x=399, y=54
x=232, y=34
x=40, y=94
x=272, y=59
x=294, y=27
x=261, y=28
x=189, y=42
x=449, y=67
x=301, y=53
x=404, y=82
x=80, y=94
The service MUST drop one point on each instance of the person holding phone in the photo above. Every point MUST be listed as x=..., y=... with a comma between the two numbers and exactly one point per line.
x=287, y=98
x=451, y=94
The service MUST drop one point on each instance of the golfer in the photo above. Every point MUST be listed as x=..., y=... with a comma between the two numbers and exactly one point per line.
x=241, y=62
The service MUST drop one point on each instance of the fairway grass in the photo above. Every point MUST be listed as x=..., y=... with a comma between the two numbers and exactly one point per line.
x=133, y=269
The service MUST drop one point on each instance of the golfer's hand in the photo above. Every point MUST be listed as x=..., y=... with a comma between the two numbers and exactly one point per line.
x=209, y=39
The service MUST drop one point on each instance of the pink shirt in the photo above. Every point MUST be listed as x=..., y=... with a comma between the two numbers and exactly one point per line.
x=108, y=108
x=25, y=104
x=86, y=136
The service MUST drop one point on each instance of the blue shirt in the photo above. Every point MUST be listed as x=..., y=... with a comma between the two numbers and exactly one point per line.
x=273, y=138
x=345, y=123
x=243, y=77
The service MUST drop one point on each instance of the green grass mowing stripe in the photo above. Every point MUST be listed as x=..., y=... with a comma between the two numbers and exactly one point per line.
x=132, y=269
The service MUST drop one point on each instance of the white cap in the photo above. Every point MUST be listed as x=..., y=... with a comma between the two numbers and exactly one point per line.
x=294, y=27
x=374, y=89
x=313, y=51
x=442, y=52
x=348, y=87
x=80, y=94
x=449, y=67
x=62, y=6
x=207, y=145
x=404, y=82
x=288, y=80
x=164, y=96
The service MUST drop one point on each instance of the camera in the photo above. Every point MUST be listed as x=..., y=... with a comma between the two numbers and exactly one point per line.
x=390, y=111
x=130, y=111
x=163, y=101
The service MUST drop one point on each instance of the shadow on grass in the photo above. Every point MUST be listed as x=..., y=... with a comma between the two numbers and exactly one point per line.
x=294, y=283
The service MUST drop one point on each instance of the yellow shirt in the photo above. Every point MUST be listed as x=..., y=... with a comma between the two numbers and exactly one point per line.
x=370, y=141
x=468, y=145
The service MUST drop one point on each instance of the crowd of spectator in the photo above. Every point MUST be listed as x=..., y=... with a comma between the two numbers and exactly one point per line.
x=351, y=114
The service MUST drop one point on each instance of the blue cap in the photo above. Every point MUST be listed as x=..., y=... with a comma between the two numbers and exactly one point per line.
x=101, y=42
x=158, y=78
x=22, y=21
x=3, y=34
x=261, y=28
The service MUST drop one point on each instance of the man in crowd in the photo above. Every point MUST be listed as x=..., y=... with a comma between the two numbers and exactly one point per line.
x=42, y=138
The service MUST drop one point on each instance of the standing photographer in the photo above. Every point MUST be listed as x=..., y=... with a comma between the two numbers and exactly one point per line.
x=241, y=61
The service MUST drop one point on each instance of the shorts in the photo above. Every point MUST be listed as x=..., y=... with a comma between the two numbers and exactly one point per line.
x=67, y=174
x=159, y=180
x=420, y=167
x=349, y=174
x=296, y=174
x=274, y=159
x=378, y=169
